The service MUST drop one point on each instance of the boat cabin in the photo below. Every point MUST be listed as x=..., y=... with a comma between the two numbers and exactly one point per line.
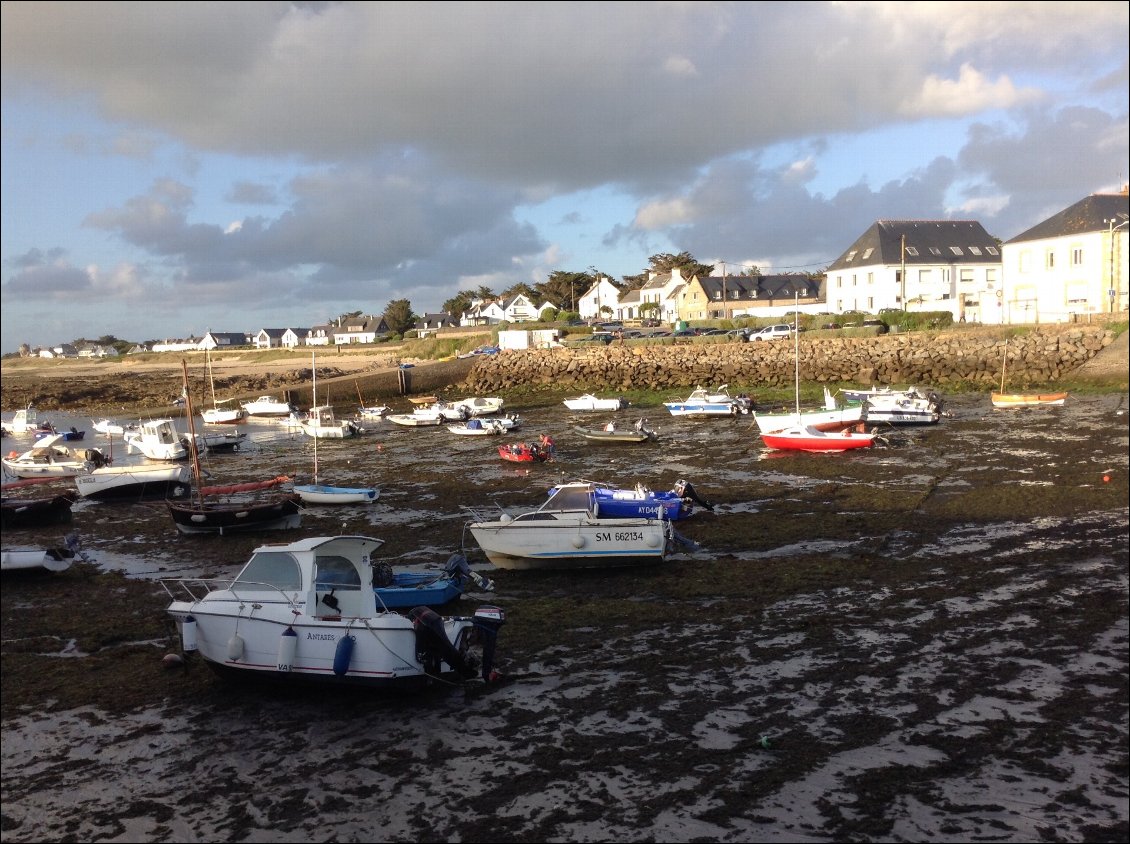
x=333, y=578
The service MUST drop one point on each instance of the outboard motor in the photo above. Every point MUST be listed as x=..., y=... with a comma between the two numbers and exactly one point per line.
x=433, y=646
x=95, y=457
x=457, y=565
x=683, y=489
x=488, y=621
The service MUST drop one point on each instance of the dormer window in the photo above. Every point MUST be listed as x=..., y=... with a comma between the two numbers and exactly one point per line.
x=850, y=256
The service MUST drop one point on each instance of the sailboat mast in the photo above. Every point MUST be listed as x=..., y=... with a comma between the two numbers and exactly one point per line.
x=196, y=474
x=317, y=418
x=796, y=354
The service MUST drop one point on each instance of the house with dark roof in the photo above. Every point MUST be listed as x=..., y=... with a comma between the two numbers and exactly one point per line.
x=919, y=265
x=431, y=323
x=726, y=297
x=1072, y=264
x=359, y=329
x=269, y=338
x=221, y=340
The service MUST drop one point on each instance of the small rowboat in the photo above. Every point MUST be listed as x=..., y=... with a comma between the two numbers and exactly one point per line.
x=1027, y=399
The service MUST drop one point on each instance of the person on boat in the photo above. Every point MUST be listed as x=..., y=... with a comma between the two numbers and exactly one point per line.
x=548, y=445
x=610, y=427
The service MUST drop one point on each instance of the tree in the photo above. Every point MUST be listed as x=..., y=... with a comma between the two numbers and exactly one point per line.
x=563, y=288
x=664, y=262
x=398, y=316
x=458, y=304
x=524, y=289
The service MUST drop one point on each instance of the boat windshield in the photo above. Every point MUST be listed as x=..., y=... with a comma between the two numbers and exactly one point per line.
x=568, y=498
x=336, y=572
x=274, y=568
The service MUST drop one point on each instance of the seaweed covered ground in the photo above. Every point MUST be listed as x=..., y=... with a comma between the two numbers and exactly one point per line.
x=924, y=641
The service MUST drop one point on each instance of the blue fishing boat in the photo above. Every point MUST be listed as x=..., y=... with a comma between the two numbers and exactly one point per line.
x=610, y=502
x=405, y=589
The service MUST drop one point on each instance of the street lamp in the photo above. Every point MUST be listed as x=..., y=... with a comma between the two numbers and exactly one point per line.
x=1111, y=229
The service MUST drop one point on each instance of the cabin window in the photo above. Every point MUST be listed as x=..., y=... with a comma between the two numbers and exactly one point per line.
x=335, y=572
x=273, y=568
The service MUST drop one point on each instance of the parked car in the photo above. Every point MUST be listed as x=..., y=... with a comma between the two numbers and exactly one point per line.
x=877, y=323
x=831, y=325
x=649, y=323
x=780, y=331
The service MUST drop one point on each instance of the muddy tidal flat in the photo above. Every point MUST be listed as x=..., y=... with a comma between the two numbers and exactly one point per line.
x=925, y=641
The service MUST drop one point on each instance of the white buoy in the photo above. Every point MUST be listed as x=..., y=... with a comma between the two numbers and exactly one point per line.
x=188, y=634
x=235, y=647
x=288, y=646
x=578, y=541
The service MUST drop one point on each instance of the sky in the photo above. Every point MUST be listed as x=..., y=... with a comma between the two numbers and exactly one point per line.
x=173, y=168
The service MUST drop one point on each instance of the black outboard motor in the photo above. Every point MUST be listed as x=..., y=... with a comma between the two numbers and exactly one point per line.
x=683, y=489
x=457, y=566
x=433, y=646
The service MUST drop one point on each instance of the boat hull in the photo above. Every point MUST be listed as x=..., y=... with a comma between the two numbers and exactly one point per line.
x=628, y=436
x=578, y=542
x=592, y=403
x=812, y=438
x=35, y=512
x=322, y=494
x=135, y=482
x=778, y=421
x=1028, y=399
x=39, y=559
x=220, y=518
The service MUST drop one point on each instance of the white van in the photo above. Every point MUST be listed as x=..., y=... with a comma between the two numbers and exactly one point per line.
x=781, y=331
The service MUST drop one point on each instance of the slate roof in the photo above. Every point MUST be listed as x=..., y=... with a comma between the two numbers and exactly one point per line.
x=927, y=242
x=1087, y=215
x=743, y=287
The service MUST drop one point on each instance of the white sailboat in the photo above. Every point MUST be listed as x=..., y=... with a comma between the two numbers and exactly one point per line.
x=318, y=493
x=216, y=415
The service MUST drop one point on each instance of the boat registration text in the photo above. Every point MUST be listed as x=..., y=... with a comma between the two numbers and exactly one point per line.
x=620, y=536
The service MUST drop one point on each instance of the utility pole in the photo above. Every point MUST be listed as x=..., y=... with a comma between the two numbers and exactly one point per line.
x=902, y=273
x=723, y=263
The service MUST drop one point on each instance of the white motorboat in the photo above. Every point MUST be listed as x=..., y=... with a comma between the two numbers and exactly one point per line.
x=480, y=406
x=219, y=413
x=316, y=619
x=565, y=532
x=157, y=439
x=901, y=407
x=832, y=413
x=110, y=427
x=27, y=421
x=492, y=426
x=441, y=412
x=49, y=458
x=703, y=402
x=268, y=406
x=142, y=481
x=321, y=422
x=413, y=420
x=590, y=402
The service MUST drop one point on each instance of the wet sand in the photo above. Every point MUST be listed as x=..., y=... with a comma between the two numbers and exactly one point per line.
x=927, y=641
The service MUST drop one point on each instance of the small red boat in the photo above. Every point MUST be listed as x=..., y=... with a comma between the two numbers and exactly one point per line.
x=523, y=453
x=824, y=437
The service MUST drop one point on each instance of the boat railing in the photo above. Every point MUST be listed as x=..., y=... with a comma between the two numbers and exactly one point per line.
x=195, y=589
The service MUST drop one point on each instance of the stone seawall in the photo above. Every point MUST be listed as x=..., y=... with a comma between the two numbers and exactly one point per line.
x=1040, y=356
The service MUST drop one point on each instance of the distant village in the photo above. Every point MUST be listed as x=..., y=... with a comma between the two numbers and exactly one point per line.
x=1070, y=266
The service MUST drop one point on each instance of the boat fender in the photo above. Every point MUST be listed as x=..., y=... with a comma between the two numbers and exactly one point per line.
x=235, y=648
x=343, y=654
x=653, y=541
x=188, y=634
x=288, y=647
x=578, y=542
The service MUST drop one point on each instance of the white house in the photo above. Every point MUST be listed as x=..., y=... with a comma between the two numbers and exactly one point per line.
x=661, y=296
x=920, y=265
x=292, y=338
x=359, y=329
x=599, y=301
x=220, y=340
x=1072, y=264
x=269, y=338
x=320, y=335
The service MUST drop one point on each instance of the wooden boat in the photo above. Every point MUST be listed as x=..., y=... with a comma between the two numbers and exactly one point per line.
x=215, y=510
x=317, y=619
x=638, y=433
x=27, y=511
x=1027, y=399
x=1003, y=399
x=420, y=401
x=566, y=533
x=589, y=402
x=524, y=453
